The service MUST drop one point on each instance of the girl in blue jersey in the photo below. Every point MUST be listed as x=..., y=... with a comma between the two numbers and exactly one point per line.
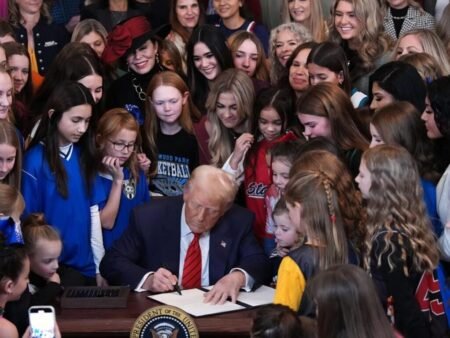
x=57, y=170
x=121, y=184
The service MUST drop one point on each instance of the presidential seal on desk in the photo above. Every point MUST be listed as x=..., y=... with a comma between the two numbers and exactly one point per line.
x=164, y=322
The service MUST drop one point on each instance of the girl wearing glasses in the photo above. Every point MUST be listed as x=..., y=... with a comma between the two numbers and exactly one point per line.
x=169, y=137
x=121, y=184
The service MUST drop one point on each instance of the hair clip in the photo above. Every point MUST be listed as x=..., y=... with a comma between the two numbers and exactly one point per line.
x=333, y=218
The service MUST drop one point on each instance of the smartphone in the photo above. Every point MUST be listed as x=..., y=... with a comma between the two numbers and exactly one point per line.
x=42, y=321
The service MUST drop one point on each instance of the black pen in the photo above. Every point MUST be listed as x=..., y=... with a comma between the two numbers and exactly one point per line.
x=176, y=286
x=177, y=289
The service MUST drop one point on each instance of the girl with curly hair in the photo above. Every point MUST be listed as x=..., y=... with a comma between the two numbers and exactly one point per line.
x=284, y=39
x=400, y=247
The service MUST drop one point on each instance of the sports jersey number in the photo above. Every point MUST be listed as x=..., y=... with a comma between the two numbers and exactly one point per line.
x=428, y=294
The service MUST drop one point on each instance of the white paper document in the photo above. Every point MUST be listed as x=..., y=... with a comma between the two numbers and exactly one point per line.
x=191, y=301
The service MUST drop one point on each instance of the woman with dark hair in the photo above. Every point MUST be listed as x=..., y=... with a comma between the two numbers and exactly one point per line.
x=277, y=321
x=296, y=72
x=207, y=56
x=396, y=81
x=6, y=32
x=327, y=62
x=347, y=304
x=135, y=46
x=34, y=29
x=185, y=15
x=437, y=122
x=76, y=62
x=231, y=18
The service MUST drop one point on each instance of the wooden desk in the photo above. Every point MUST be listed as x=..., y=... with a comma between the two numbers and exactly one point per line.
x=118, y=322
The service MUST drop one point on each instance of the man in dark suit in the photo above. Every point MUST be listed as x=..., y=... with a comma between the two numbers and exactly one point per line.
x=152, y=253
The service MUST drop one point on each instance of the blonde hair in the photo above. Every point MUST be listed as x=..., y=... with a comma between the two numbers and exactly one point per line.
x=303, y=35
x=111, y=123
x=443, y=28
x=11, y=200
x=237, y=39
x=426, y=65
x=372, y=41
x=9, y=136
x=320, y=214
x=86, y=26
x=34, y=228
x=315, y=24
x=349, y=198
x=4, y=70
x=431, y=44
x=395, y=207
x=236, y=82
x=15, y=18
x=151, y=123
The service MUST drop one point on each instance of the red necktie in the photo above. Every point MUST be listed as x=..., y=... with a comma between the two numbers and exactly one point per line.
x=192, y=270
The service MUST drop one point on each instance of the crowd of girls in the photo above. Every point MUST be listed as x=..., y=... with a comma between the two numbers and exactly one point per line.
x=336, y=124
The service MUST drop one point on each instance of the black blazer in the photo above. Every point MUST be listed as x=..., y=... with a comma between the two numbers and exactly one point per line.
x=152, y=240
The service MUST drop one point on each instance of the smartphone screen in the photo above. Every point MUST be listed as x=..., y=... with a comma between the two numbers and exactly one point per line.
x=42, y=321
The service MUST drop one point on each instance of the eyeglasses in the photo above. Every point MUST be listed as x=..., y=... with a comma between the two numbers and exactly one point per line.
x=119, y=146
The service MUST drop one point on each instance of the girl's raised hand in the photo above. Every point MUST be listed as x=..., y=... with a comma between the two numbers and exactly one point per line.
x=144, y=162
x=112, y=164
x=243, y=144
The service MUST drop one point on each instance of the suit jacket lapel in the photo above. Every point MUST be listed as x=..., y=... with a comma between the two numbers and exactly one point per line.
x=170, y=247
x=410, y=21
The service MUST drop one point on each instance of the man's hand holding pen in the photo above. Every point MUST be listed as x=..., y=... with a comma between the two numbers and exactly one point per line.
x=162, y=281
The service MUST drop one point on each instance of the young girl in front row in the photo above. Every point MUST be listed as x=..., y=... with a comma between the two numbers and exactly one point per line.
x=43, y=247
x=57, y=173
x=121, y=184
x=283, y=155
x=270, y=120
x=399, y=244
x=169, y=140
x=313, y=204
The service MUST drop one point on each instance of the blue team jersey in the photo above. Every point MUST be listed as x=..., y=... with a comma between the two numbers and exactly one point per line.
x=133, y=194
x=71, y=215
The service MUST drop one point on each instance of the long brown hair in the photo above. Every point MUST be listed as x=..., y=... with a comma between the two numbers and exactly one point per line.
x=237, y=39
x=348, y=304
x=320, y=215
x=176, y=25
x=399, y=123
x=395, y=206
x=330, y=101
x=349, y=198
